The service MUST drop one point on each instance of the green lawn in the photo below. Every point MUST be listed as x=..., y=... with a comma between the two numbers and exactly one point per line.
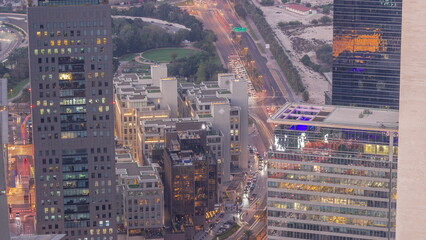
x=164, y=54
x=17, y=88
x=128, y=57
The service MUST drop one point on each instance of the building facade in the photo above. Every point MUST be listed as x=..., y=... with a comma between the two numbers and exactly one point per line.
x=366, y=53
x=70, y=54
x=4, y=137
x=141, y=98
x=332, y=173
x=224, y=104
x=141, y=200
x=411, y=212
x=190, y=180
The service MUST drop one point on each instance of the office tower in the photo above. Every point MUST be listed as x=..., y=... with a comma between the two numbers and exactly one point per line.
x=4, y=210
x=190, y=181
x=332, y=173
x=411, y=210
x=70, y=53
x=366, y=53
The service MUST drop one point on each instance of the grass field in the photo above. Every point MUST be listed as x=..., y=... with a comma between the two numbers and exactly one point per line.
x=128, y=57
x=17, y=88
x=165, y=54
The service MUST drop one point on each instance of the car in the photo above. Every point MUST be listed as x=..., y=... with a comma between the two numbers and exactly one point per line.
x=218, y=220
x=254, y=195
x=251, y=198
x=222, y=215
x=252, y=188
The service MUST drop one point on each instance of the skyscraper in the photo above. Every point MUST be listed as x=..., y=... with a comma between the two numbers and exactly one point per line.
x=332, y=173
x=4, y=210
x=366, y=53
x=70, y=51
x=411, y=210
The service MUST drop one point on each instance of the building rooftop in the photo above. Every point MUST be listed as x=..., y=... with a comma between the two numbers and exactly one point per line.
x=298, y=7
x=336, y=116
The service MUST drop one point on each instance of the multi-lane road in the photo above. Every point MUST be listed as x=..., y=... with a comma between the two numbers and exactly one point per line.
x=220, y=18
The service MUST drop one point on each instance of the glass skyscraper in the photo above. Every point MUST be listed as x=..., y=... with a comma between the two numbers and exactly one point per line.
x=70, y=53
x=366, y=53
x=332, y=173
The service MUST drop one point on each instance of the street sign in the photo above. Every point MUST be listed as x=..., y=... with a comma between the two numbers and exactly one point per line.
x=240, y=29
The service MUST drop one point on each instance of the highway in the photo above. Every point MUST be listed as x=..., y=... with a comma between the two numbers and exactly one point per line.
x=221, y=19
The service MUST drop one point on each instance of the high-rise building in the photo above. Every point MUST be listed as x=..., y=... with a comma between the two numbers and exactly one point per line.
x=190, y=181
x=70, y=54
x=4, y=210
x=332, y=173
x=411, y=210
x=366, y=53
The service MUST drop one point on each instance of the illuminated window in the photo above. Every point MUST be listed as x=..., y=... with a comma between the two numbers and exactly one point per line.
x=45, y=33
x=35, y=51
x=66, y=42
x=105, y=40
x=52, y=42
x=65, y=76
x=38, y=34
x=98, y=41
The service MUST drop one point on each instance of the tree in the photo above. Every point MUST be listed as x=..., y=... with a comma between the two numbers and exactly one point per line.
x=298, y=1
x=248, y=234
x=308, y=5
x=284, y=1
x=326, y=9
x=305, y=96
x=282, y=24
x=325, y=19
x=324, y=53
x=314, y=21
x=240, y=10
x=267, y=2
x=173, y=56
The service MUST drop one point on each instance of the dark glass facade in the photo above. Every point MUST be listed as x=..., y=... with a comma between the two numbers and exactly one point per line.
x=332, y=183
x=366, y=53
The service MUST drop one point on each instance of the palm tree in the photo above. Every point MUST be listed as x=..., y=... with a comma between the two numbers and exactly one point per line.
x=248, y=234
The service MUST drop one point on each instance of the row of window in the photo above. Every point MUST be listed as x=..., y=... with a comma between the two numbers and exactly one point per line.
x=69, y=50
x=328, y=219
x=326, y=189
x=327, y=209
x=72, y=33
x=72, y=24
x=324, y=228
x=330, y=199
x=331, y=180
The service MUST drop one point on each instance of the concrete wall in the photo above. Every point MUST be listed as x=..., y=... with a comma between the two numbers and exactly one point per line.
x=411, y=207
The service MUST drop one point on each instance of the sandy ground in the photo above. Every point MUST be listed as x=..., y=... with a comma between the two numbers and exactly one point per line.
x=300, y=41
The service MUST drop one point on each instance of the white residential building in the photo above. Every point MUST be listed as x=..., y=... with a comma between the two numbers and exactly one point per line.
x=140, y=198
x=225, y=105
